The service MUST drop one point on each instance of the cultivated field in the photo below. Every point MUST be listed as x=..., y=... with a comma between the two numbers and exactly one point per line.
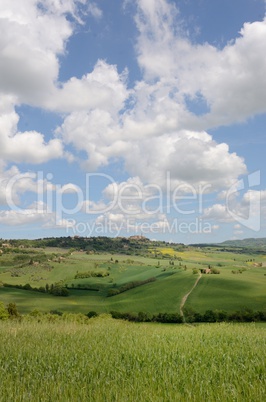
x=109, y=360
x=162, y=277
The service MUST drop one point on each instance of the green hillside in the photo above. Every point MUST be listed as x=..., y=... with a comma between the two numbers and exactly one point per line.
x=155, y=279
x=255, y=243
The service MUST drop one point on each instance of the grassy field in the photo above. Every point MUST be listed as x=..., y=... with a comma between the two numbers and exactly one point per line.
x=163, y=295
x=230, y=292
x=240, y=284
x=108, y=360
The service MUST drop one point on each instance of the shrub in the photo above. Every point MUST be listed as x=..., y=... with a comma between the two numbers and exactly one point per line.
x=88, y=274
x=171, y=318
x=12, y=310
x=92, y=314
x=3, y=312
x=215, y=271
x=35, y=313
x=113, y=292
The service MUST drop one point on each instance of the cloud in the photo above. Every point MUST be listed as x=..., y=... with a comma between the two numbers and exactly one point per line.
x=119, y=223
x=217, y=212
x=53, y=223
x=156, y=22
x=128, y=206
x=104, y=88
x=69, y=188
x=245, y=208
x=190, y=157
x=32, y=37
x=132, y=189
x=130, y=198
x=37, y=212
x=17, y=192
x=93, y=126
x=5, y=192
x=231, y=81
x=236, y=83
x=94, y=10
x=92, y=132
x=151, y=127
x=28, y=146
x=238, y=232
x=147, y=139
x=14, y=184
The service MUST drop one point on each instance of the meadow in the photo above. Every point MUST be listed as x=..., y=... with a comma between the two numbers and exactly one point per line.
x=101, y=359
x=162, y=276
x=66, y=356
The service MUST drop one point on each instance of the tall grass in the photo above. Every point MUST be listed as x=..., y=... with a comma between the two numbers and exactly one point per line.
x=108, y=360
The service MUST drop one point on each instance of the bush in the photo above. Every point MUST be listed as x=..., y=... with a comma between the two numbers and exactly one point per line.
x=116, y=314
x=12, y=310
x=113, y=292
x=171, y=318
x=35, y=313
x=88, y=274
x=210, y=316
x=215, y=271
x=56, y=312
x=92, y=314
x=3, y=312
x=145, y=317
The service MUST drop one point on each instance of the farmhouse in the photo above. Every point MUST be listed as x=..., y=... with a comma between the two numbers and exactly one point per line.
x=205, y=271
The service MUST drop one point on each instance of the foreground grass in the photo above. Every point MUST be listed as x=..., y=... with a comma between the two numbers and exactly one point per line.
x=108, y=360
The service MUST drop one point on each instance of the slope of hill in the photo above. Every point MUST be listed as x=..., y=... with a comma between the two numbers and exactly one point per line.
x=256, y=243
x=134, y=245
x=153, y=278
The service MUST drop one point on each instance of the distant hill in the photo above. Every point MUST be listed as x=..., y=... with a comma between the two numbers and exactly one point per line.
x=134, y=245
x=257, y=243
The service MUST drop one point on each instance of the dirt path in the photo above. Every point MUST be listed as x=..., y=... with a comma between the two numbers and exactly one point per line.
x=184, y=299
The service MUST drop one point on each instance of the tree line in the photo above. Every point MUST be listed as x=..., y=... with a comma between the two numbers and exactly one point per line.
x=128, y=286
x=55, y=289
x=210, y=316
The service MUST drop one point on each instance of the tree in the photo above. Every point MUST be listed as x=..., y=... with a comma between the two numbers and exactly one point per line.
x=58, y=289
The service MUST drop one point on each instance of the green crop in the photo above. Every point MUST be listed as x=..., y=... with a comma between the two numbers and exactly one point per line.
x=109, y=360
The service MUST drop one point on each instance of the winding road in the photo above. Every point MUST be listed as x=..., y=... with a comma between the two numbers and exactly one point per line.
x=184, y=299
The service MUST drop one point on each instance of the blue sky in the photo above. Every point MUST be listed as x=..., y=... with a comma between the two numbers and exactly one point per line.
x=133, y=117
